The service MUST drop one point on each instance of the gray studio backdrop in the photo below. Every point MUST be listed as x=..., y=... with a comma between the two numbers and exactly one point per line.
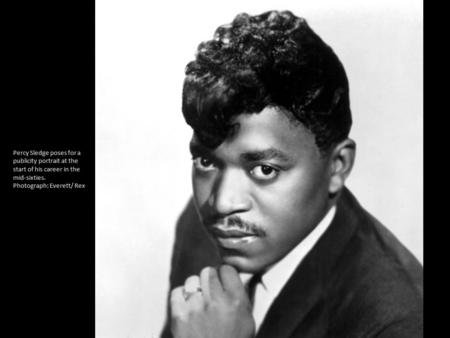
x=142, y=158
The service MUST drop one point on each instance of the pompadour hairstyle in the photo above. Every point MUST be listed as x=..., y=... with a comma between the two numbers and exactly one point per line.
x=273, y=59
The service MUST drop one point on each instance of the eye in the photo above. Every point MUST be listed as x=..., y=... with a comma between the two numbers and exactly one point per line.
x=203, y=163
x=264, y=172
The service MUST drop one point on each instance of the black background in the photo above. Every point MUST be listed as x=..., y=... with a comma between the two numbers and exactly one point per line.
x=48, y=242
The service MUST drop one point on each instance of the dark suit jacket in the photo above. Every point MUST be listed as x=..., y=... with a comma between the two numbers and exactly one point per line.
x=357, y=281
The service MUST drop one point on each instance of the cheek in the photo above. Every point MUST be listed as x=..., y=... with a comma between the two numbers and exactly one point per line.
x=283, y=221
x=290, y=206
x=280, y=220
x=287, y=195
x=201, y=187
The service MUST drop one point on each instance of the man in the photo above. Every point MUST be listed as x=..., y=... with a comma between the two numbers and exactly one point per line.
x=292, y=254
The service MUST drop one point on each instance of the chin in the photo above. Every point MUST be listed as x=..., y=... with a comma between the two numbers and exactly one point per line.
x=243, y=264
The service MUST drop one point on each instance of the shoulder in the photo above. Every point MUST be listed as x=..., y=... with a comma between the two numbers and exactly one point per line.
x=377, y=281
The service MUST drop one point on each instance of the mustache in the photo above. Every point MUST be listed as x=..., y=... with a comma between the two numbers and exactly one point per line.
x=235, y=222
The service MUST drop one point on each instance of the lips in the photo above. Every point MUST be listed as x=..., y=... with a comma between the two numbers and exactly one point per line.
x=231, y=233
x=232, y=238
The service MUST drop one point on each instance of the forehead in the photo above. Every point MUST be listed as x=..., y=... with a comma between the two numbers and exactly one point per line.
x=271, y=128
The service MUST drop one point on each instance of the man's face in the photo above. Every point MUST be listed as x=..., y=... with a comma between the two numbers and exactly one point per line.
x=262, y=190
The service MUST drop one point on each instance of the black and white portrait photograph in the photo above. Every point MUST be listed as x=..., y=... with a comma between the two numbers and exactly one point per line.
x=258, y=169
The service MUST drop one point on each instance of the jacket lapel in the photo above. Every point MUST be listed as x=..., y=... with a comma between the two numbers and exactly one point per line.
x=305, y=287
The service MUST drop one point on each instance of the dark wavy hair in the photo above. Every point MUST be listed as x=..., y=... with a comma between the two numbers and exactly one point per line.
x=273, y=59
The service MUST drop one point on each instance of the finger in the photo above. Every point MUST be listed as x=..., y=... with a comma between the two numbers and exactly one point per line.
x=204, y=282
x=177, y=301
x=215, y=286
x=195, y=302
x=176, y=296
x=192, y=284
x=231, y=282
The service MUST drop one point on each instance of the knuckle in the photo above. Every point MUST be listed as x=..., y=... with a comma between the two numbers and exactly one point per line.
x=227, y=269
x=179, y=316
x=205, y=270
x=175, y=293
x=177, y=312
x=237, y=303
x=212, y=272
x=191, y=278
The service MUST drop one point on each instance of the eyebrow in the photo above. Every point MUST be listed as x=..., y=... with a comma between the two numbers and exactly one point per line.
x=264, y=155
x=249, y=156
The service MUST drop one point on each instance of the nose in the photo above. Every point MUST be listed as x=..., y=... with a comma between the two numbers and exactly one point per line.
x=230, y=194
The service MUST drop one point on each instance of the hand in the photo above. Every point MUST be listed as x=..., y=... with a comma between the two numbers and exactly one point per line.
x=212, y=306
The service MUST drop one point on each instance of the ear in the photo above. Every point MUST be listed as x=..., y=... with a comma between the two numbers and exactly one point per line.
x=342, y=159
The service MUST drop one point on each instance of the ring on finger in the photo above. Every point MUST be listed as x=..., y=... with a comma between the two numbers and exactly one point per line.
x=188, y=294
